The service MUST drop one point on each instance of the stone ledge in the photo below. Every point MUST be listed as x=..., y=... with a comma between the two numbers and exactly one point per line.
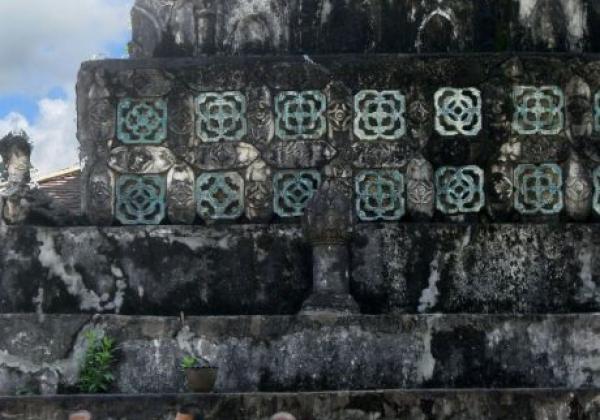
x=283, y=353
x=258, y=269
x=556, y=404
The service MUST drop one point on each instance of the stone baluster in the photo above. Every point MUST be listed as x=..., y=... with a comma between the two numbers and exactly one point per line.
x=327, y=227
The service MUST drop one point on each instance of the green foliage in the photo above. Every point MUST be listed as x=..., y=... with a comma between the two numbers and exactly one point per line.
x=192, y=362
x=96, y=376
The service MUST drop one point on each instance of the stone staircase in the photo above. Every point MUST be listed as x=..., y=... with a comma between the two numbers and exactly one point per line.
x=345, y=231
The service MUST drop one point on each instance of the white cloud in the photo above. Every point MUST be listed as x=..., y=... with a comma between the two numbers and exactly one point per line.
x=53, y=134
x=44, y=41
x=42, y=44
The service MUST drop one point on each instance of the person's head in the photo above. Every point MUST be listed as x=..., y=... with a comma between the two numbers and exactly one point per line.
x=283, y=416
x=80, y=415
x=189, y=412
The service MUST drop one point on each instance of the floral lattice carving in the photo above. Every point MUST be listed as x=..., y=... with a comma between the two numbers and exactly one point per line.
x=379, y=195
x=538, y=110
x=459, y=189
x=379, y=115
x=220, y=196
x=140, y=199
x=539, y=189
x=458, y=111
x=221, y=116
x=293, y=190
x=596, y=203
x=300, y=115
x=142, y=121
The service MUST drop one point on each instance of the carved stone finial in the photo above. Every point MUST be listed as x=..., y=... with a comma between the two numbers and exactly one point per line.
x=15, y=151
x=327, y=226
x=328, y=216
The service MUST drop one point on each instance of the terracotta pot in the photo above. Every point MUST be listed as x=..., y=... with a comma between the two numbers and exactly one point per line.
x=201, y=379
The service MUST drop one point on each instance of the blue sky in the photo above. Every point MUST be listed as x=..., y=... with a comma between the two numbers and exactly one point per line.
x=42, y=43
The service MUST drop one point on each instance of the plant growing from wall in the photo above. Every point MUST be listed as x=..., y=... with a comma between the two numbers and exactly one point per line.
x=96, y=376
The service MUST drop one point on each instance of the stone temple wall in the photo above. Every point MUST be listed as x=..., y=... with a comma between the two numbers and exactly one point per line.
x=492, y=138
x=330, y=196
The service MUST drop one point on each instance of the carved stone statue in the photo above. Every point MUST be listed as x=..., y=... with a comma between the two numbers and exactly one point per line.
x=19, y=203
x=327, y=226
x=15, y=151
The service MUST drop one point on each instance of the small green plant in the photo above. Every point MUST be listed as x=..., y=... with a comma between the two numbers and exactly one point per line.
x=96, y=376
x=192, y=362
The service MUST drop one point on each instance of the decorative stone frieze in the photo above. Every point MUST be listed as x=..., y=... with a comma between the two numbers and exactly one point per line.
x=339, y=121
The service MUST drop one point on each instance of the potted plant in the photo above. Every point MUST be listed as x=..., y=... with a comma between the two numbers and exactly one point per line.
x=201, y=377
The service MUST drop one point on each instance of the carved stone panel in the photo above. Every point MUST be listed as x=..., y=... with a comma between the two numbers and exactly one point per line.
x=339, y=109
x=420, y=190
x=292, y=190
x=578, y=190
x=538, y=110
x=458, y=111
x=379, y=115
x=223, y=156
x=459, y=189
x=261, y=122
x=259, y=192
x=384, y=154
x=221, y=116
x=379, y=195
x=142, y=121
x=539, y=189
x=596, y=201
x=579, y=108
x=299, y=154
x=220, y=196
x=597, y=112
x=141, y=200
x=99, y=203
x=181, y=202
x=141, y=159
x=300, y=115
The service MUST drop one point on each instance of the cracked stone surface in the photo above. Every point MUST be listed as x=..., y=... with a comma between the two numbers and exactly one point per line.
x=313, y=353
x=251, y=269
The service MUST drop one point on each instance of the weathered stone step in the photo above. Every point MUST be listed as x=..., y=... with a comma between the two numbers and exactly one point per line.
x=284, y=353
x=253, y=269
x=389, y=404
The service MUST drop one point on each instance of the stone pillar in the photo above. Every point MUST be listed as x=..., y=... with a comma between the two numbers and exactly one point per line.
x=327, y=227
